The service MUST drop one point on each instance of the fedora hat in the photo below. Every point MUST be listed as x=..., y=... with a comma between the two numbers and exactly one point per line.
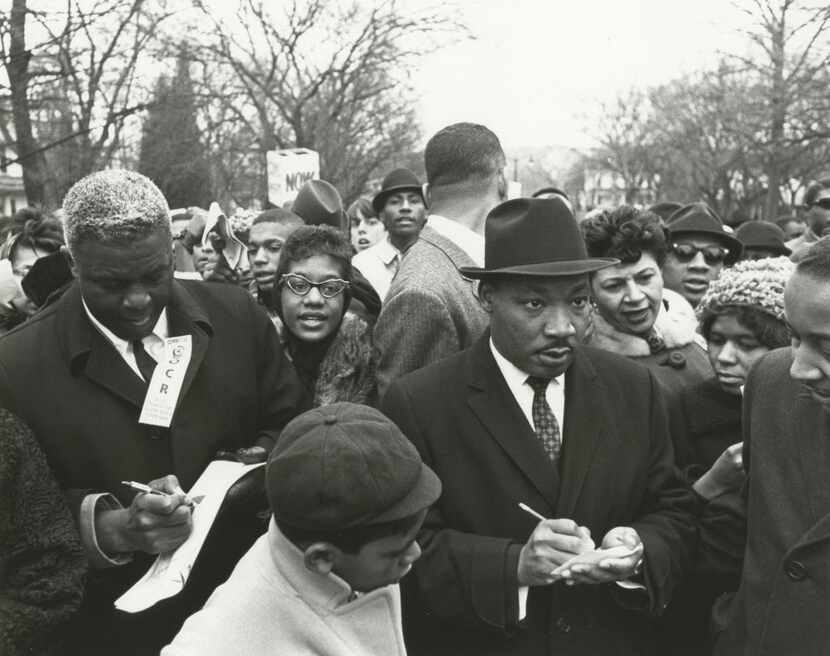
x=534, y=237
x=665, y=209
x=318, y=203
x=397, y=180
x=761, y=234
x=699, y=218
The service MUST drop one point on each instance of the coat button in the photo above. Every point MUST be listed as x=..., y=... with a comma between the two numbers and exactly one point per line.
x=796, y=570
x=156, y=435
x=677, y=360
x=562, y=625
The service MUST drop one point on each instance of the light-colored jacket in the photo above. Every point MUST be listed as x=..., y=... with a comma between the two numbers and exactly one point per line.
x=272, y=604
x=430, y=312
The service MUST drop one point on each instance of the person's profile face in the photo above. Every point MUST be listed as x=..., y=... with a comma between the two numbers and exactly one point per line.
x=381, y=562
x=807, y=307
x=628, y=296
x=126, y=285
x=535, y=322
x=794, y=228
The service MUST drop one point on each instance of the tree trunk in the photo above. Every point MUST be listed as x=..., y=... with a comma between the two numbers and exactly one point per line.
x=778, y=115
x=31, y=159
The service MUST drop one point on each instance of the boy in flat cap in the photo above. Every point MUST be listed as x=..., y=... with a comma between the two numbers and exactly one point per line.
x=349, y=494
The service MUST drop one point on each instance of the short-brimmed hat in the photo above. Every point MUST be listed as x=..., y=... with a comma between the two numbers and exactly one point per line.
x=534, y=237
x=397, y=180
x=761, y=234
x=318, y=203
x=346, y=465
x=699, y=218
x=665, y=209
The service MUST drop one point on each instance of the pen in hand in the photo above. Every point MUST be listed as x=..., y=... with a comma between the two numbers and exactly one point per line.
x=146, y=489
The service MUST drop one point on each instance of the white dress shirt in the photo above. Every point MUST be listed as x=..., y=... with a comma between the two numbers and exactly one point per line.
x=153, y=343
x=470, y=242
x=379, y=263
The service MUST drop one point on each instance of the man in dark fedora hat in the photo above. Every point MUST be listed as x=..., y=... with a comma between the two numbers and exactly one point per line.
x=699, y=246
x=400, y=205
x=761, y=239
x=528, y=415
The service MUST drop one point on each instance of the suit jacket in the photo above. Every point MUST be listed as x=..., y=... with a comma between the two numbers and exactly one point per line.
x=616, y=470
x=82, y=401
x=781, y=606
x=272, y=604
x=430, y=312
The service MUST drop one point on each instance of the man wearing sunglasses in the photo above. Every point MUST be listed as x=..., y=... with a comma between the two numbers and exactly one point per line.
x=816, y=214
x=699, y=247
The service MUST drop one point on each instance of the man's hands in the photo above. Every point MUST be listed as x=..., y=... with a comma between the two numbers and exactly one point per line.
x=153, y=523
x=553, y=542
x=726, y=474
x=605, y=568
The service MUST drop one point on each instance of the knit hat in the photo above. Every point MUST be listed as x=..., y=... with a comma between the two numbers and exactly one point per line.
x=752, y=283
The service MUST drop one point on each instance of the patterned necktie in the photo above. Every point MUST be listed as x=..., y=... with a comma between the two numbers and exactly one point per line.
x=544, y=421
x=145, y=361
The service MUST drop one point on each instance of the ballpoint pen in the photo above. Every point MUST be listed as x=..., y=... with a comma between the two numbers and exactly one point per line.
x=146, y=489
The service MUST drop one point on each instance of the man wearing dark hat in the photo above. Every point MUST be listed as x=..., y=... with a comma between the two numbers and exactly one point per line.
x=349, y=493
x=760, y=240
x=400, y=205
x=699, y=246
x=431, y=311
x=528, y=415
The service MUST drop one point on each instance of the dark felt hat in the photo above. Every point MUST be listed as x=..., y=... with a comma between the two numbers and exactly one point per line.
x=665, y=209
x=397, y=180
x=534, y=237
x=346, y=465
x=761, y=234
x=699, y=218
x=318, y=203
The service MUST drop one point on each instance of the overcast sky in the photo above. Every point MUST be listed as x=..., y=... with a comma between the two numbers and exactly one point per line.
x=537, y=65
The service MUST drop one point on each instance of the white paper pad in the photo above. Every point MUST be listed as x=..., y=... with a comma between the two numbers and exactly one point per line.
x=168, y=574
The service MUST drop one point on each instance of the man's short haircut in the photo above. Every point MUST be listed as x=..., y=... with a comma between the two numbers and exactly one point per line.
x=278, y=215
x=625, y=233
x=350, y=540
x=462, y=152
x=364, y=205
x=815, y=261
x=114, y=206
x=814, y=189
x=308, y=241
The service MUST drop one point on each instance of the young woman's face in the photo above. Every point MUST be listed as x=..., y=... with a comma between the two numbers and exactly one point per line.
x=312, y=317
x=733, y=349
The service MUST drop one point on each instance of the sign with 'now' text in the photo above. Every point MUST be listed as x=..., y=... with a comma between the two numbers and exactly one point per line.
x=288, y=170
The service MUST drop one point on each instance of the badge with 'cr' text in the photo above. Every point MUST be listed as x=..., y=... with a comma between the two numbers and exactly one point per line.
x=166, y=383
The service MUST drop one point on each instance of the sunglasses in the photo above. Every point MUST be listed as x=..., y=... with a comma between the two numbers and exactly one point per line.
x=711, y=254
x=300, y=285
x=823, y=203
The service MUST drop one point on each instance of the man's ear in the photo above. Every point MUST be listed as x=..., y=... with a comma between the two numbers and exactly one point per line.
x=485, y=295
x=321, y=557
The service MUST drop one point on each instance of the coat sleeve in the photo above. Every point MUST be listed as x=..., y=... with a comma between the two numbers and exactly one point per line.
x=281, y=395
x=465, y=578
x=414, y=329
x=42, y=563
x=666, y=521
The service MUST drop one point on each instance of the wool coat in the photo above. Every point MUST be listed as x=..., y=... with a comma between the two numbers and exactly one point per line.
x=616, y=469
x=272, y=604
x=82, y=401
x=781, y=606
x=42, y=565
x=430, y=312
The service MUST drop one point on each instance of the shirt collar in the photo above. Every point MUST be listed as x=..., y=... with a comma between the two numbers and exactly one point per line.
x=386, y=251
x=160, y=330
x=514, y=376
x=470, y=242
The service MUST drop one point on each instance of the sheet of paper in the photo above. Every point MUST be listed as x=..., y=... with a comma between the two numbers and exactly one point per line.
x=168, y=574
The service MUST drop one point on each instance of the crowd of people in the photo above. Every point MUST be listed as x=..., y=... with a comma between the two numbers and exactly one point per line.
x=485, y=426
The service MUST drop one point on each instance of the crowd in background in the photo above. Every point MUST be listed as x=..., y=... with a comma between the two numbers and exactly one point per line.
x=372, y=305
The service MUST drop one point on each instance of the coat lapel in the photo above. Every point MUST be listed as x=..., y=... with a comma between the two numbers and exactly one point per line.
x=583, y=430
x=492, y=402
x=813, y=440
x=188, y=318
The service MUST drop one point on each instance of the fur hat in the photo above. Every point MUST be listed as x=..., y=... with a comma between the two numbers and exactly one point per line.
x=752, y=283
